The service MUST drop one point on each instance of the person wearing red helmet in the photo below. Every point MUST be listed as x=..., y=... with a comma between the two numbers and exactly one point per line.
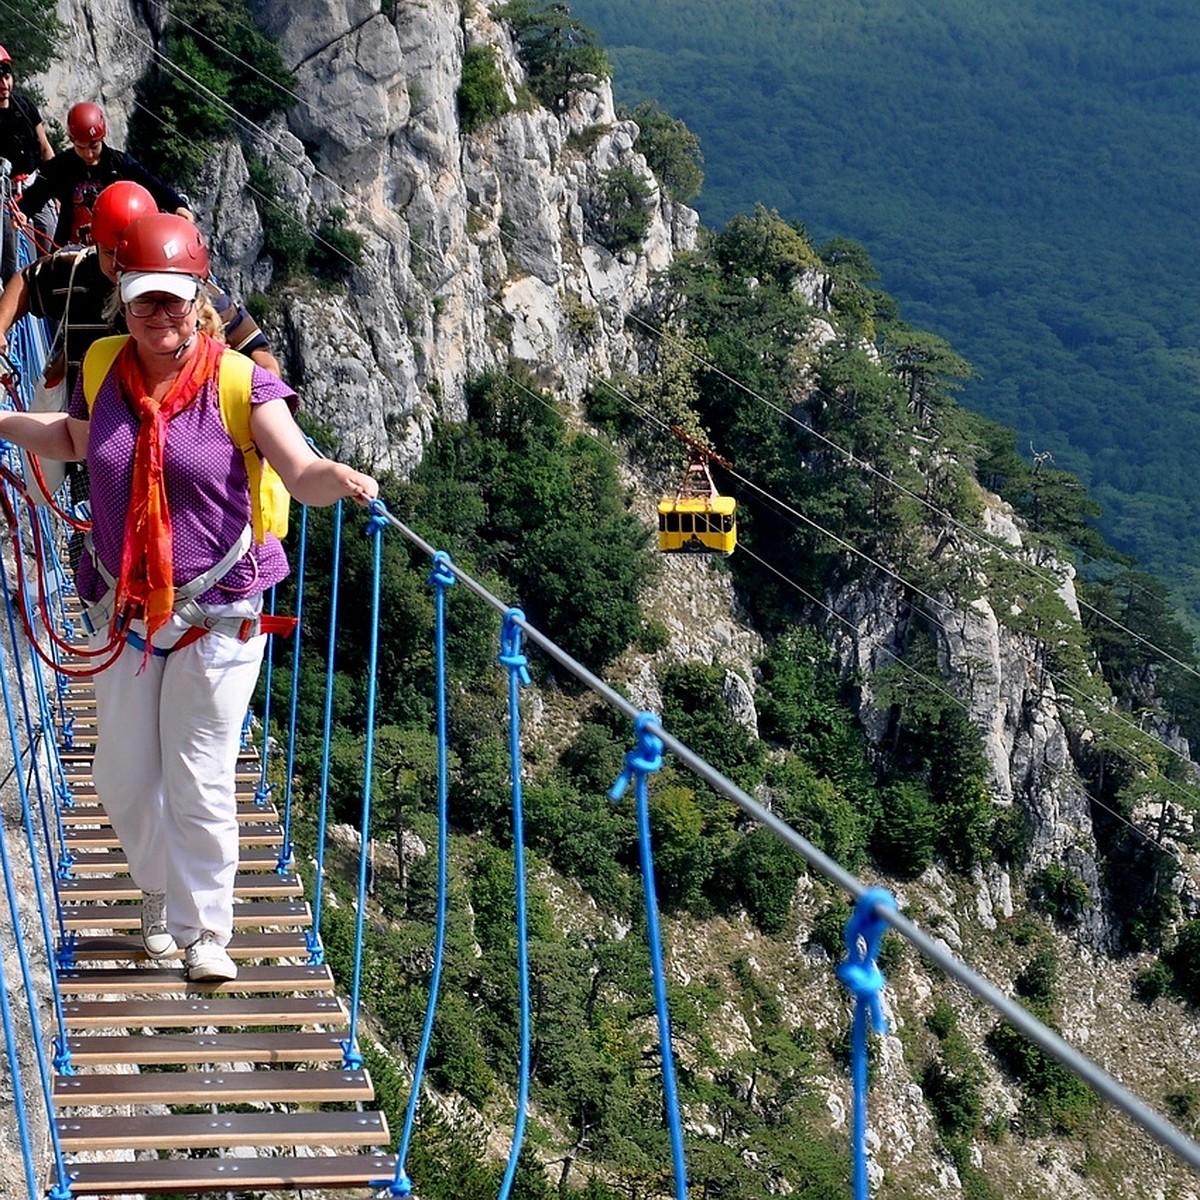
x=179, y=575
x=25, y=146
x=86, y=124
x=77, y=178
x=72, y=287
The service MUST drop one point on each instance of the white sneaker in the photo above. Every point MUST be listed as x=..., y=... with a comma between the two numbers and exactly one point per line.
x=155, y=937
x=207, y=961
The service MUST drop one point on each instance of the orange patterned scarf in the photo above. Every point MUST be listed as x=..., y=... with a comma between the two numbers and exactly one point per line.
x=146, y=586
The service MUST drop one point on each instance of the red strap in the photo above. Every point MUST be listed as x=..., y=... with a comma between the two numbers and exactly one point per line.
x=271, y=623
x=193, y=633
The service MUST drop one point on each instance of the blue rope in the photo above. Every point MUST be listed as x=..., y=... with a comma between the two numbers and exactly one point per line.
x=264, y=788
x=518, y=674
x=864, y=932
x=640, y=763
x=54, y=764
x=351, y=1056
x=316, y=952
x=62, y=585
x=442, y=578
x=285, y=850
x=60, y=1190
x=65, y=860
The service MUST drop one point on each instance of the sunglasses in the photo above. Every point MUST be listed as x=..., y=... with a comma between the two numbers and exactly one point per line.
x=175, y=308
x=5, y=70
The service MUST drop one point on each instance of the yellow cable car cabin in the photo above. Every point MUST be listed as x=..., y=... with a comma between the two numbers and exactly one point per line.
x=697, y=524
x=697, y=519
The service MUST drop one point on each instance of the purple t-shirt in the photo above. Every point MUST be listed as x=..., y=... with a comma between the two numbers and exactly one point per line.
x=208, y=492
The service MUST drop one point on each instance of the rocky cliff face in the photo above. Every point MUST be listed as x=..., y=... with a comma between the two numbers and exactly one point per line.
x=1009, y=698
x=483, y=248
x=476, y=249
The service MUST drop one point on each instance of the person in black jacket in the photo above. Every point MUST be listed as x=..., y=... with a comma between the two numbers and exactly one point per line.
x=75, y=179
x=73, y=288
x=24, y=144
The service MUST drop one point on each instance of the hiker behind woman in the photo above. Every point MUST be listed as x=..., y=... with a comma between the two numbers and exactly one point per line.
x=74, y=286
x=23, y=142
x=172, y=504
x=78, y=176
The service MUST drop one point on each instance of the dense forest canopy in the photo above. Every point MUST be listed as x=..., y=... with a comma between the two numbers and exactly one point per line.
x=1021, y=173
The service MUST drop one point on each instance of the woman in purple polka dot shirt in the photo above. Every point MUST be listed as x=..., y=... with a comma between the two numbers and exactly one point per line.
x=171, y=507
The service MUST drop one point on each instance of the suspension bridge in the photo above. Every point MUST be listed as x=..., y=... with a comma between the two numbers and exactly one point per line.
x=128, y=1079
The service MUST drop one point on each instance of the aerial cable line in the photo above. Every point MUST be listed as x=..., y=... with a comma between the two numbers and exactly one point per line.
x=1079, y=696
x=979, y=535
x=652, y=418
x=1066, y=685
x=848, y=455
x=851, y=458
x=244, y=123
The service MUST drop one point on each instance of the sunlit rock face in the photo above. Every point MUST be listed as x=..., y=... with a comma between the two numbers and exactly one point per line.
x=477, y=249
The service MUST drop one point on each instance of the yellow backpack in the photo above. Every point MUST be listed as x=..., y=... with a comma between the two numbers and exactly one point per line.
x=269, y=499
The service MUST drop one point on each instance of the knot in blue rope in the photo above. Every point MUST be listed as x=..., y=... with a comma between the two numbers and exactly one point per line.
x=441, y=575
x=510, y=645
x=644, y=759
x=62, y=1057
x=378, y=519
x=400, y=1186
x=352, y=1058
x=859, y=972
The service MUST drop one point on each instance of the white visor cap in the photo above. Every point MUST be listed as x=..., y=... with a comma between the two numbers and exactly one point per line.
x=138, y=283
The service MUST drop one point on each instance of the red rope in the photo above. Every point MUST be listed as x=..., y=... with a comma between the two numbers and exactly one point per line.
x=115, y=644
x=35, y=465
x=42, y=242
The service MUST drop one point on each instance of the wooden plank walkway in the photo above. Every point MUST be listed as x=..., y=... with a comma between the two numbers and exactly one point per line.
x=264, y=1056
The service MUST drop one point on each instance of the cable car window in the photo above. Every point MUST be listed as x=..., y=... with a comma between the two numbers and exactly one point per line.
x=672, y=522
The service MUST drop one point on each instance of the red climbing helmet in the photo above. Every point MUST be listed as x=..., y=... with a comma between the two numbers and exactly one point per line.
x=116, y=208
x=85, y=122
x=5, y=57
x=161, y=253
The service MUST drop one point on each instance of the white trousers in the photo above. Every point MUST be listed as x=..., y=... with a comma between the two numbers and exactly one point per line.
x=168, y=736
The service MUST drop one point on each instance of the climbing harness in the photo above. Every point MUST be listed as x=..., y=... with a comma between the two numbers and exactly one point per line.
x=269, y=498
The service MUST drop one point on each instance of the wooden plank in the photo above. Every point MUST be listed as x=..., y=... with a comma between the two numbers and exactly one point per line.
x=195, y=1131
x=74, y=776
x=85, y=837
x=84, y=812
x=83, y=747
x=264, y=884
x=215, y=1012
x=161, y=1048
x=249, y=914
x=84, y=740
x=104, y=862
x=159, y=981
x=255, y=944
x=197, y=1175
x=213, y=1087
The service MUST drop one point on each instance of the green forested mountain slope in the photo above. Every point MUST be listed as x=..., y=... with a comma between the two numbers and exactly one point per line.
x=1023, y=174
